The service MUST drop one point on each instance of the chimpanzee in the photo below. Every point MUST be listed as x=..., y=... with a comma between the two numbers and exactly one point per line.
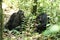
x=15, y=20
x=42, y=20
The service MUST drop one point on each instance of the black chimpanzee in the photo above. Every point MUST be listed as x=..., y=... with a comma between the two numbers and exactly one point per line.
x=42, y=19
x=15, y=20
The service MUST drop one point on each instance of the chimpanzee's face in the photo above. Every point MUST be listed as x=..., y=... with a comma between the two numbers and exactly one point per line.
x=42, y=18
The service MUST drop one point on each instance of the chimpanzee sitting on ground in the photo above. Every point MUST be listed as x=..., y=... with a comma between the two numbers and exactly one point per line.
x=42, y=19
x=15, y=20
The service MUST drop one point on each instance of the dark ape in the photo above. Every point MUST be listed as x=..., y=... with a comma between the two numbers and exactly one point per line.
x=15, y=20
x=42, y=19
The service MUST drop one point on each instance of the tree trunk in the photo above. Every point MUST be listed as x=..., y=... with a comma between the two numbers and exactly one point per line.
x=34, y=7
x=1, y=21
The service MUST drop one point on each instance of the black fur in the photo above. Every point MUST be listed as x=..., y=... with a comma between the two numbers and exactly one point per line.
x=42, y=19
x=15, y=20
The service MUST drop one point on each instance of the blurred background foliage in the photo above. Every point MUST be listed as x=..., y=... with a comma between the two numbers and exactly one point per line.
x=51, y=7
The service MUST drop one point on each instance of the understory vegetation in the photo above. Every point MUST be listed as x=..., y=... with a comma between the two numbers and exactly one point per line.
x=50, y=7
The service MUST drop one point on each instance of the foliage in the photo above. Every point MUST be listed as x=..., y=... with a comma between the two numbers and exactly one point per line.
x=51, y=7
